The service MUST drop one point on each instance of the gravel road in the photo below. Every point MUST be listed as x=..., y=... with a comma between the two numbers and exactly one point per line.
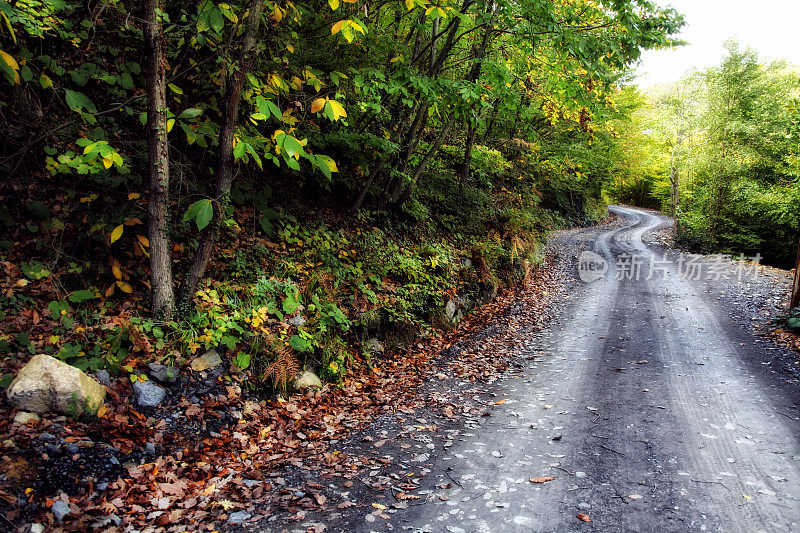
x=648, y=399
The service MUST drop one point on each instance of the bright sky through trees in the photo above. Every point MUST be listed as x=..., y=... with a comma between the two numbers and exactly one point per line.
x=767, y=26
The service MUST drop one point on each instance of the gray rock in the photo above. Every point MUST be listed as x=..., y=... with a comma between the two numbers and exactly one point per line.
x=72, y=448
x=102, y=485
x=60, y=509
x=53, y=450
x=46, y=436
x=164, y=373
x=584, y=506
x=374, y=346
x=46, y=384
x=464, y=301
x=306, y=380
x=36, y=528
x=148, y=394
x=23, y=418
x=238, y=517
x=150, y=448
x=450, y=309
x=210, y=359
x=452, y=314
x=297, y=321
x=104, y=377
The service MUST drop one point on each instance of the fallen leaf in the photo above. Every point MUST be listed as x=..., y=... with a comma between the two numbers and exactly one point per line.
x=541, y=479
x=583, y=518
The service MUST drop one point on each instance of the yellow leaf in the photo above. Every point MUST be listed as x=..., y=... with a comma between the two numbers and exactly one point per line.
x=133, y=196
x=102, y=411
x=11, y=62
x=226, y=504
x=395, y=58
x=132, y=221
x=336, y=28
x=350, y=1
x=116, y=270
x=317, y=105
x=144, y=240
x=277, y=14
x=110, y=291
x=338, y=110
x=124, y=287
x=170, y=124
x=290, y=48
x=116, y=233
x=334, y=4
x=410, y=4
x=379, y=506
x=107, y=162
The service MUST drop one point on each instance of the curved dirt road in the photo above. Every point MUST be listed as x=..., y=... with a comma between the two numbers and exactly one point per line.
x=649, y=406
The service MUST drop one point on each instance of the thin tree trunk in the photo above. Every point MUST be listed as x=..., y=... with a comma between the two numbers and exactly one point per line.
x=515, y=127
x=163, y=297
x=365, y=189
x=795, y=299
x=425, y=160
x=495, y=109
x=474, y=74
x=225, y=165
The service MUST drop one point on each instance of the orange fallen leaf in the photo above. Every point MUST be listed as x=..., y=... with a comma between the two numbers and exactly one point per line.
x=541, y=479
x=584, y=518
x=499, y=402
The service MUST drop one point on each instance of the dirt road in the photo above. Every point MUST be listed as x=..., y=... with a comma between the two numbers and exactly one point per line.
x=648, y=402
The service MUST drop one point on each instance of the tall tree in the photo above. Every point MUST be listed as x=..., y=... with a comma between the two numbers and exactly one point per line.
x=226, y=163
x=158, y=157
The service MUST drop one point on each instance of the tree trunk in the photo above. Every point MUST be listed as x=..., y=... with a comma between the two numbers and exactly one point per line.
x=163, y=298
x=795, y=299
x=225, y=165
x=474, y=73
x=409, y=190
x=363, y=194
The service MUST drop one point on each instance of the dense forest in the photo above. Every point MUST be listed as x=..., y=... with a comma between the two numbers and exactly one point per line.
x=719, y=151
x=285, y=180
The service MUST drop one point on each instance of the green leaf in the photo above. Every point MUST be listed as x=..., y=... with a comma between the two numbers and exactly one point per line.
x=216, y=20
x=239, y=150
x=81, y=296
x=35, y=270
x=292, y=146
x=191, y=112
x=242, y=360
x=193, y=209
x=266, y=225
x=204, y=214
x=291, y=302
x=126, y=81
x=77, y=101
x=299, y=344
